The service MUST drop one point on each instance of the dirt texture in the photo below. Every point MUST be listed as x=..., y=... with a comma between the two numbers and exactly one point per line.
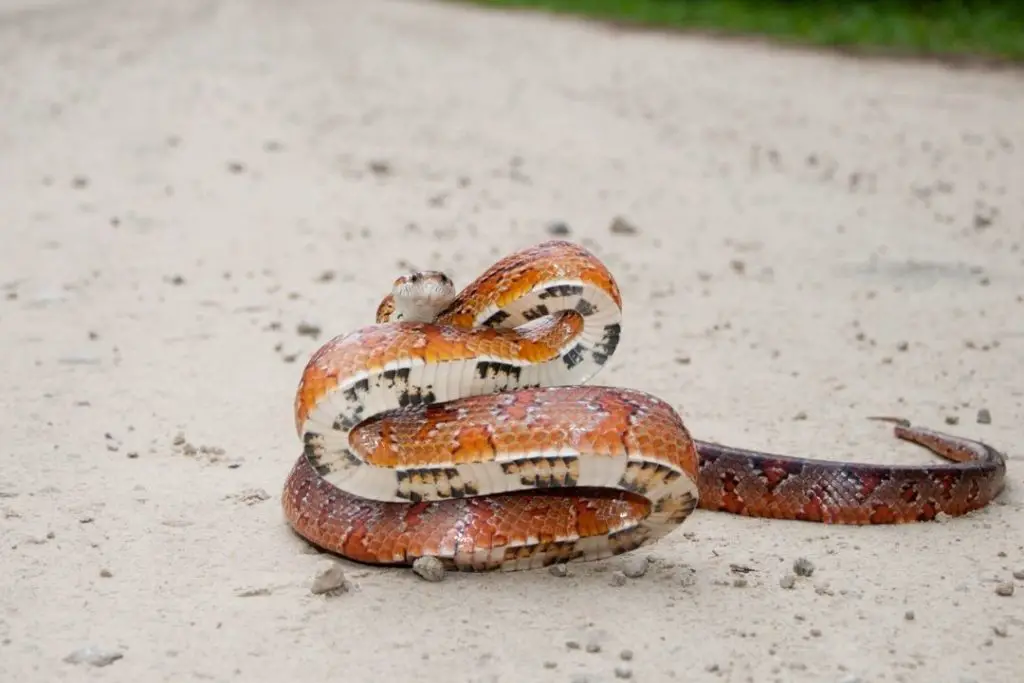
x=196, y=195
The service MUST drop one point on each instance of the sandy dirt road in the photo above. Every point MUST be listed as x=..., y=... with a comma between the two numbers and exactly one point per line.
x=190, y=190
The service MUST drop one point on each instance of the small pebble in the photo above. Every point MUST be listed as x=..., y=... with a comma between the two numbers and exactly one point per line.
x=304, y=329
x=635, y=567
x=572, y=644
x=550, y=664
x=816, y=632
x=558, y=229
x=329, y=581
x=252, y=496
x=787, y=581
x=1018, y=574
x=626, y=655
x=593, y=647
x=429, y=568
x=1001, y=630
x=909, y=615
x=803, y=567
x=739, y=582
x=558, y=570
x=623, y=671
x=105, y=573
x=94, y=656
x=952, y=420
x=688, y=577
x=1004, y=589
x=620, y=226
x=984, y=417
x=618, y=579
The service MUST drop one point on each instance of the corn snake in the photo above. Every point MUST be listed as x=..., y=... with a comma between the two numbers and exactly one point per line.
x=458, y=427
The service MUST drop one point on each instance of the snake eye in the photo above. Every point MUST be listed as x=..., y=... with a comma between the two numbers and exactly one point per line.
x=415, y=277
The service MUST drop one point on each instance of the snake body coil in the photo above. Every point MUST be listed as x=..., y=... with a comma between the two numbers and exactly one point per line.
x=456, y=427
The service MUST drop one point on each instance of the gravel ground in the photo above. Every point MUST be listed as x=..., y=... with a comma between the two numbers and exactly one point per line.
x=197, y=195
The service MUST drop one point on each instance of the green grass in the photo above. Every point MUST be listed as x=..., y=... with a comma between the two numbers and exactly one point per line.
x=991, y=30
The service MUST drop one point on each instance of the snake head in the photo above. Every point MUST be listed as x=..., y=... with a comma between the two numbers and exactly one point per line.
x=418, y=296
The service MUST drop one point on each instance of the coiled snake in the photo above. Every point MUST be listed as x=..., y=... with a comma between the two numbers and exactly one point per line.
x=456, y=427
